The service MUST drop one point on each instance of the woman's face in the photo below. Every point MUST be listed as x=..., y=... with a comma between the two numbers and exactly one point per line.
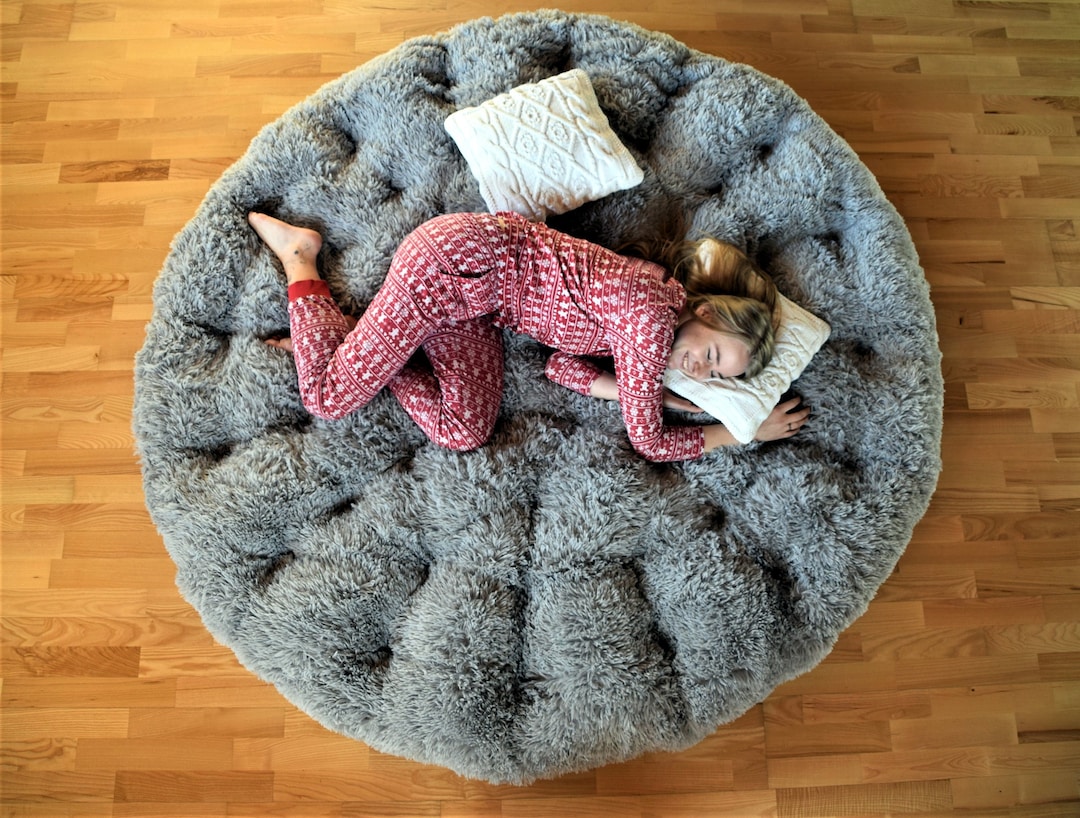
x=704, y=353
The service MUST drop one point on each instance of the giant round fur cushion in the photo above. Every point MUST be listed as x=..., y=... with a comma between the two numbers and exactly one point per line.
x=552, y=601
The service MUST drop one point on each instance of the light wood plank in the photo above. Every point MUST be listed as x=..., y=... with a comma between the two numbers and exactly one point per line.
x=957, y=693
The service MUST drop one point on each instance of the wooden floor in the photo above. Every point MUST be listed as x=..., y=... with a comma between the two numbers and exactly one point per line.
x=958, y=693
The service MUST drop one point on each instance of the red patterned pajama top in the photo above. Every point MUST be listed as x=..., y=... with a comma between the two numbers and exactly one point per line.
x=453, y=285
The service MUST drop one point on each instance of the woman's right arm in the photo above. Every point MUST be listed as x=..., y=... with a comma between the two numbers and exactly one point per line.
x=785, y=420
x=717, y=435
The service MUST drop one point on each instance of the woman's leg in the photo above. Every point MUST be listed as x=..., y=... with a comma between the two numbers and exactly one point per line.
x=339, y=370
x=456, y=401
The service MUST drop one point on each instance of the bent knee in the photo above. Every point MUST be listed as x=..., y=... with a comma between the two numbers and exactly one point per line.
x=326, y=414
x=455, y=445
x=318, y=406
x=460, y=437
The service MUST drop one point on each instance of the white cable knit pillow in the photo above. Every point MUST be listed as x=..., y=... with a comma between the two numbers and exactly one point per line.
x=543, y=148
x=742, y=405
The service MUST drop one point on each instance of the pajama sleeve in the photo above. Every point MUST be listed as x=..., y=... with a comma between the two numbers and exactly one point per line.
x=455, y=397
x=572, y=372
x=640, y=343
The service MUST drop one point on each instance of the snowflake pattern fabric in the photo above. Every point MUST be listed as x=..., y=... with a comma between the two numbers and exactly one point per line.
x=453, y=284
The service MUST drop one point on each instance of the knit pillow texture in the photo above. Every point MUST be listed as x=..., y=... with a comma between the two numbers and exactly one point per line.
x=742, y=405
x=543, y=148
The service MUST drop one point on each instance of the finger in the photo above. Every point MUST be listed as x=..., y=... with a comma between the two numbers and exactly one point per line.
x=802, y=415
x=789, y=405
x=795, y=422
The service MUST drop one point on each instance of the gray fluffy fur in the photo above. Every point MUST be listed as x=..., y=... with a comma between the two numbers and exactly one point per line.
x=551, y=602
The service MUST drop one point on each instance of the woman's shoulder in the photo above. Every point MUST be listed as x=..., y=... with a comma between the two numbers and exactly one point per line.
x=650, y=286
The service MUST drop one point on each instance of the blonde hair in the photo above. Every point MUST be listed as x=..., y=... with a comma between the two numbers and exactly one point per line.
x=740, y=298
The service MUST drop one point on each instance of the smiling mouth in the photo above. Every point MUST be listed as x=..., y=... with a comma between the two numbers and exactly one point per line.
x=690, y=368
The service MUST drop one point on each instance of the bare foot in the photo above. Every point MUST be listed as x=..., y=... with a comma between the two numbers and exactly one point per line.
x=295, y=247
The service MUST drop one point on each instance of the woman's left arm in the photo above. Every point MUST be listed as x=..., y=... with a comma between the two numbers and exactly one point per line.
x=571, y=371
x=640, y=341
x=606, y=387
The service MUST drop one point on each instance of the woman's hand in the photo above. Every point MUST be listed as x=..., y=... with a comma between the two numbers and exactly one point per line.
x=784, y=421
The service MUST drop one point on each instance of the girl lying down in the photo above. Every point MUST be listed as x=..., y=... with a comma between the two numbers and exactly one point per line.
x=458, y=280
